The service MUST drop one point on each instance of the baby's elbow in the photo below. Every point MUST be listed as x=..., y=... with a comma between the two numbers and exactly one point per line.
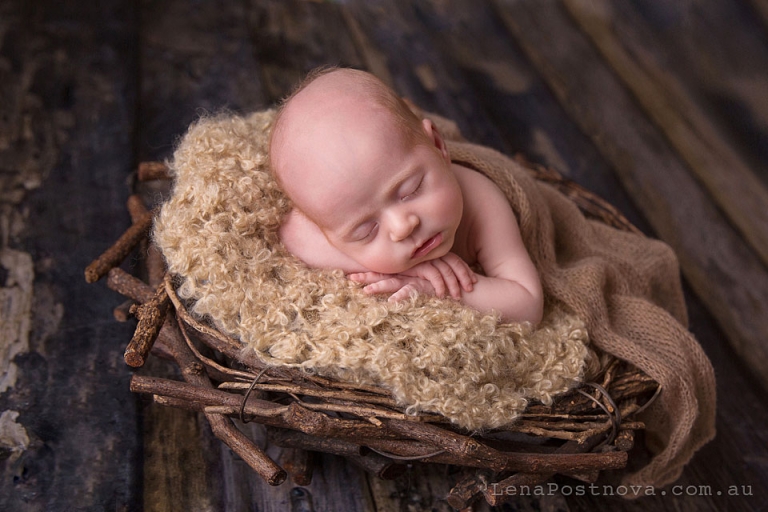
x=537, y=313
x=533, y=311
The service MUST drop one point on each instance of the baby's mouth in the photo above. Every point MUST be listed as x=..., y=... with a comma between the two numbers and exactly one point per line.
x=427, y=246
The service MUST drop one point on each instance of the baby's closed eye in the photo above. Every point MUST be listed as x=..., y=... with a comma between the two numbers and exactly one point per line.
x=364, y=232
x=411, y=187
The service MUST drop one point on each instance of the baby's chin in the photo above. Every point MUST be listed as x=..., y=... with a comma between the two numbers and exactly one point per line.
x=388, y=267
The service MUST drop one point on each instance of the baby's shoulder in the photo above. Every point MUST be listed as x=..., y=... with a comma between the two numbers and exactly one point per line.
x=487, y=215
x=478, y=190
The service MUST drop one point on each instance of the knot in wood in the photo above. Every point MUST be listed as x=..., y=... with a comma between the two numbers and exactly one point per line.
x=472, y=447
x=309, y=422
x=196, y=368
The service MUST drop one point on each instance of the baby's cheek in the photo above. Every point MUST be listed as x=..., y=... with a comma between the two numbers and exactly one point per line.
x=380, y=261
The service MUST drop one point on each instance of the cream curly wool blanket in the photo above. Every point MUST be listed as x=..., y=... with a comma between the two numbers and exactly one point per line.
x=218, y=232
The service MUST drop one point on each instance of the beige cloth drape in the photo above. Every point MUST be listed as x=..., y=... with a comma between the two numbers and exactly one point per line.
x=627, y=290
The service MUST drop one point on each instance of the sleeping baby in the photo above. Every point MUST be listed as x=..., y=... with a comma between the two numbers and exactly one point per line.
x=375, y=194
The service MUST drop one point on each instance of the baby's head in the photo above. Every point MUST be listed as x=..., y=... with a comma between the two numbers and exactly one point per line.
x=375, y=178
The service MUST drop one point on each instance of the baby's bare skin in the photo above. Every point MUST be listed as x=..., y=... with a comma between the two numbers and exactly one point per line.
x=390, y=209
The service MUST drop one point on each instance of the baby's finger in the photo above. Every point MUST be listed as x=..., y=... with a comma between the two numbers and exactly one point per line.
x=464, y=274
x=449, y=278
x=466, y=277
x=434, y=276
x=367, y=277
x=390, y=285
x=403, y=293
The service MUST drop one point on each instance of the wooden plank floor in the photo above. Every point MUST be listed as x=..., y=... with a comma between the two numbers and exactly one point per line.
x=659, y=107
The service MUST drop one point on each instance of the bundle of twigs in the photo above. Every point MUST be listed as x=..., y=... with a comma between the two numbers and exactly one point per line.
x=582, y=433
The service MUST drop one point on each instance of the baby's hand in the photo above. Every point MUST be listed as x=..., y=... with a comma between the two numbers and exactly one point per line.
x=400, y=286
x=449, y=273
x=435, y=277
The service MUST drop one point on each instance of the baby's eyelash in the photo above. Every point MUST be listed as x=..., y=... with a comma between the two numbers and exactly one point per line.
x=368, y=234
x=416, y=190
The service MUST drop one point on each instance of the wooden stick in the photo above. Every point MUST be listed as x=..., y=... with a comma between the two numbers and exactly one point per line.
x=390, y=448
x=293, y=439
x=113, y=256
x=137, y=290
x=136, y=207
x=500, y=461
x=299, y=464
x=383, y=467
x=318, y=424
x=194, y=373
x=320, y=393
x=199, y=397
x=471, y=488
x=452, y=442
x=468, y=490
x=178, y=403
x=123, y=312
x=496, y=494
x=125, y=284
x=416, y=451
x=577, y=404
x=625, y=440
x=153, y=171
x=400, y=447
x=224, y=429
x=292, y=416
x=151, y=317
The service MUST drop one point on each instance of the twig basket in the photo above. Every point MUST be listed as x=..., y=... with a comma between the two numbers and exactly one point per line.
x=584, y=432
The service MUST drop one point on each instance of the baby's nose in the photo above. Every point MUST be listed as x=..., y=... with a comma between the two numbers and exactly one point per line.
x=402, y=225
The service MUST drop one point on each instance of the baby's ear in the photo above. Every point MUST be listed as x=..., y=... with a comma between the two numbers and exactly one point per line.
x=434, y=135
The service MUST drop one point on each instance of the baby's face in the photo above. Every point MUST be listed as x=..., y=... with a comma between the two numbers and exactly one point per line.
x=385, y=202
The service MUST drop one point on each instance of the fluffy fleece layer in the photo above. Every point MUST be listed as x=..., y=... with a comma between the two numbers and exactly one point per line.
x=218, y=232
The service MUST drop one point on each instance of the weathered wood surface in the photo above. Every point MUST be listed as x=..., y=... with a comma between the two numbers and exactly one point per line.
x=67, y=104
x=668, y=103
x=90, y=89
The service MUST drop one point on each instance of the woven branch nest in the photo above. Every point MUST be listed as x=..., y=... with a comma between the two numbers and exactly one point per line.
x=583, y=432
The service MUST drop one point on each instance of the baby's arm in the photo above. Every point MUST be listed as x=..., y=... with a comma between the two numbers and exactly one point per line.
x=307, y=242
x=511, y=283
x=434, y=277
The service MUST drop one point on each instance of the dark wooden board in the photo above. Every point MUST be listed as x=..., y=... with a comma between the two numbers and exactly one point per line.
x=69, y=74
x=90, y=90
x=684, y=120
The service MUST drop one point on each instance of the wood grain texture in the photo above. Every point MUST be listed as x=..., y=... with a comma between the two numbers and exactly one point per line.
x=66, y=119
x=87, y=90
x=736, y=189
x=723, y=270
